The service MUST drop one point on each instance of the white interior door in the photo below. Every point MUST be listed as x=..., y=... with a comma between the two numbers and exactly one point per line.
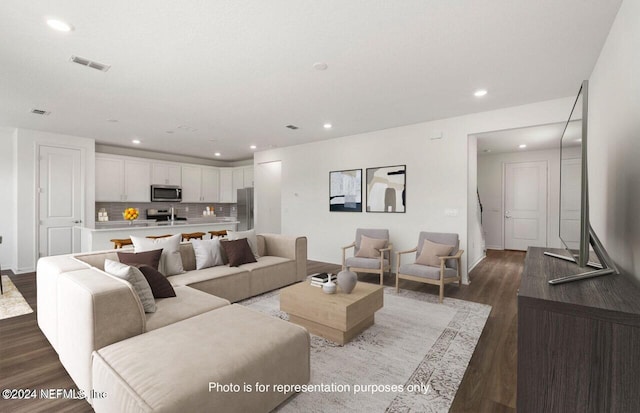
x=570, y=191
x=525, y=205
x=60, y=200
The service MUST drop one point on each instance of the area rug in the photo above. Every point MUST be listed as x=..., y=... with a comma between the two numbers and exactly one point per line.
x=411, y=360
x=12, y=303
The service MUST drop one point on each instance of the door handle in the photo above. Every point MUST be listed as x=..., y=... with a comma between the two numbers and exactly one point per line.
x=77, y=222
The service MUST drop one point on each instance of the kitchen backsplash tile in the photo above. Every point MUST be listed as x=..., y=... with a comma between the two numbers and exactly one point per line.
x=183, y=209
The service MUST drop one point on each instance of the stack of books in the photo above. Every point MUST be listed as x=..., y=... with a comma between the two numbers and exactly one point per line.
x=318, y=279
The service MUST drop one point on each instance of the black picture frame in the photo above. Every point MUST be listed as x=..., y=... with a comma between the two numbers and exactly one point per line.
x=387, y=189
x=345, y=190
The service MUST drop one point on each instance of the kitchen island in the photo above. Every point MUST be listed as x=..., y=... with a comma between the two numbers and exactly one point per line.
x=99, y=238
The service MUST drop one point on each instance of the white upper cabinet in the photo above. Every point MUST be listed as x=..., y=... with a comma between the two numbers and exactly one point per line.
x=199, y=184
x=166, y=174
x=226, y=185
x=122, y=179
x=137, y=181
x=210, y=184
x=109, y=179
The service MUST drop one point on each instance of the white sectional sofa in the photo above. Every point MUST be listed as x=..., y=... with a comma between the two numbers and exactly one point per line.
x=164, y=361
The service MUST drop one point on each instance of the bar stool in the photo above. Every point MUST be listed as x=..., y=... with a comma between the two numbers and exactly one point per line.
x=119, y=243
x=158, y=236
x=222, y=233
x=192, y=235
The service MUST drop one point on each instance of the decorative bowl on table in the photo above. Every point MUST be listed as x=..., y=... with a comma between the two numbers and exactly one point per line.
x=130, y=214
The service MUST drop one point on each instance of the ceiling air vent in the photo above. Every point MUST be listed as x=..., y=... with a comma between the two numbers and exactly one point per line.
x=90, y=63
x=40, y=112
x=294, y=127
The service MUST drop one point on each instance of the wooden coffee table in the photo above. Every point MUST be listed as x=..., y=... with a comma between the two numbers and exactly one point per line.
x=337, y=317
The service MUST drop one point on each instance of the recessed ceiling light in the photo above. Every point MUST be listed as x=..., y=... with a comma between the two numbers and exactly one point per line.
x=579, y=140
x=320, y=66
x=217, y=154
x=136, y=141
x=253, y=146
x=59, y=25
x=487, y=150
x=169, y=131
x=480, y=93
x=112, y=120
x=327, y=125
x=522, y=146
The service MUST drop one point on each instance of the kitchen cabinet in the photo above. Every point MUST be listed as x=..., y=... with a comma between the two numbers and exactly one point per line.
x=166, y=174
x=200, y=184
x=121, y=179
x=226, y=185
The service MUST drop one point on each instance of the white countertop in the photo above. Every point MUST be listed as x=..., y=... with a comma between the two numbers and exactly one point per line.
x=149, y=224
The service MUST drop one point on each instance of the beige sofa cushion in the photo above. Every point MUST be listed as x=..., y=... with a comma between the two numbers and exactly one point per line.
x=49, y=268
x=187, y=303
x=136, y=376
x=270, y=273
x=222, y=281
x=95, y=309
x=96, y=259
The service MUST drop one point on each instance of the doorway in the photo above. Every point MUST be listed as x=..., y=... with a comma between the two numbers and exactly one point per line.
x=525, y=205
x=60, y=200
x=518, y=181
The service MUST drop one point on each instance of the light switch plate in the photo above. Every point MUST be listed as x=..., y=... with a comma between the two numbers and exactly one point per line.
x=451, y=212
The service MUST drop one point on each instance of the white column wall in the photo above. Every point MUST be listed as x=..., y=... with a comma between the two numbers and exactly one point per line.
x=8, y=202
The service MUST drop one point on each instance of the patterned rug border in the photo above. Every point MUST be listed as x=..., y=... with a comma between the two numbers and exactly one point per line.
x=456, y=342
x=12, y=303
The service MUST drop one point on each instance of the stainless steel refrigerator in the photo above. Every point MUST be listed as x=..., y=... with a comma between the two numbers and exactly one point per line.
x=245, y=209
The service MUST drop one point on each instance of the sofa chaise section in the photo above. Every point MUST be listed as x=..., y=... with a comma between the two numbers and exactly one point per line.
x=96, y=309
x=172, y=369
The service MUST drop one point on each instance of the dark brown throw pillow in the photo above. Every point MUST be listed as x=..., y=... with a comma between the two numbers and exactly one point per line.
x=150, y=258
x=238, y=252
x=160, y=286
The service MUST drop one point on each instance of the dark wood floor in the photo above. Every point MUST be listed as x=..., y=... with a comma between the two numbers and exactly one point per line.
x=27, y=361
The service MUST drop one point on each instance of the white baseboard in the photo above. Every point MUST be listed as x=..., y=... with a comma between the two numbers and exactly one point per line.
x=476, y=263
x=495, y=247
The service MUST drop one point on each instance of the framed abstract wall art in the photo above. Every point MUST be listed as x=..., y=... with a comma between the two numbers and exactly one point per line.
x=386, y=189
x=345, y=191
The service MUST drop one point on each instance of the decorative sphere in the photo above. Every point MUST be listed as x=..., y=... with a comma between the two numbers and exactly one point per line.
x=347, y=281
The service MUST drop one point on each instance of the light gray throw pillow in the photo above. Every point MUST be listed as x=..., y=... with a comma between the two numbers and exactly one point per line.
x=133, y=276
x=251, y=237
x=208, y=253
x=170, y=260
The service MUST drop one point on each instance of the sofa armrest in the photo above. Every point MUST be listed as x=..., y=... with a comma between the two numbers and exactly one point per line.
x=94, y=310
x=286, y=246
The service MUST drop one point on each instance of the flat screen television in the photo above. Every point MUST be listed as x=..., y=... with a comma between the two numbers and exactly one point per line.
x=575, y=231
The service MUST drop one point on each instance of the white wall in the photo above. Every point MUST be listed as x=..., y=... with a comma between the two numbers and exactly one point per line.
x=268, y=177
x=25, y=180
x=8, y=203
x=490, y=185
x=437, y=176
x=614, y=140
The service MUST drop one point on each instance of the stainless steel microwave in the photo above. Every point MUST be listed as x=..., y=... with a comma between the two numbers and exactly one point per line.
x=166, y=193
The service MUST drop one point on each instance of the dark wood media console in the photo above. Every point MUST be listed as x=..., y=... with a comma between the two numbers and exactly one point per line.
x=578, y=343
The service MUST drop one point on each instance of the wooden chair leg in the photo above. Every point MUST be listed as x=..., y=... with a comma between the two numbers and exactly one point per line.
x=441, y=292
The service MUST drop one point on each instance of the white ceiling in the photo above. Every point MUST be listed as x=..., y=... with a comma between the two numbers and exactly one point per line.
x=239, y=71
